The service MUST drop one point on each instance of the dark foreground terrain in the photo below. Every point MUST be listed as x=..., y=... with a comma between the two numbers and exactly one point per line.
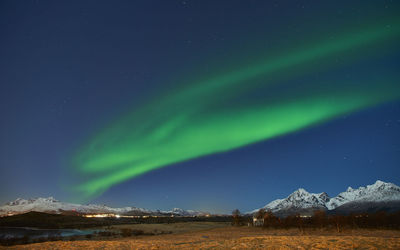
x=35, y=227
x=59, y=221
x=378, y=230
x=192, y=236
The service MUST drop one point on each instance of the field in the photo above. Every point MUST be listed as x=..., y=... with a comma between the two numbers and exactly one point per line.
x=206, y=235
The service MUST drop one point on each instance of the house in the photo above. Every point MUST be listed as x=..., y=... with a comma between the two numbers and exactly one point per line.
x=258, y=222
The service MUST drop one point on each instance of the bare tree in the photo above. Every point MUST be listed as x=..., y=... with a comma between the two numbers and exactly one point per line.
x=260, y=214
x=319, y=218
x=270, y=220
x=236, y=217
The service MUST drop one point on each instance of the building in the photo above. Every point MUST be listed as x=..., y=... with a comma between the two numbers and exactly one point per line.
x=258, y=222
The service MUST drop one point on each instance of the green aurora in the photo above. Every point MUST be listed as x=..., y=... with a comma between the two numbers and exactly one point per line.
x=221, y=113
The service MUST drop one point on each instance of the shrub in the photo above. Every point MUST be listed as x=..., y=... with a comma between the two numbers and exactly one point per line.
x=126, y=232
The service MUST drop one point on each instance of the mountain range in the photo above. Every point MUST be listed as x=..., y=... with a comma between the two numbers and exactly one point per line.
x=378, y=196
x=51, y=205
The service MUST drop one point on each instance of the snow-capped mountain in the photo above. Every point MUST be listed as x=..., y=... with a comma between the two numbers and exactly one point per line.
x=301, y=200
x=182, y=212
x=51, y=205
x=298, y=200
x=377, y=192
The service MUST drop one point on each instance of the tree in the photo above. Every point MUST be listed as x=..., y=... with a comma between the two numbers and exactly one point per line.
x=319, y=218
x=236, y=217
x=338, y=222
x=270, y=220
x=260, y=214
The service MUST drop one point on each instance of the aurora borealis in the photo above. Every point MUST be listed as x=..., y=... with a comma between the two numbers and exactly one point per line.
x=193, y=121
x=203, y=105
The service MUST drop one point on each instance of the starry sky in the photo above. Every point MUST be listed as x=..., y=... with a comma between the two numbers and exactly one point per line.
x=205, y=105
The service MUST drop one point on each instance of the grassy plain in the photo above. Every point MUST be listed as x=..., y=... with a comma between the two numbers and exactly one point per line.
x=211, y=235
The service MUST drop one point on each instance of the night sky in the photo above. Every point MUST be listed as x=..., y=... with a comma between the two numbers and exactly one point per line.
x=205, y=105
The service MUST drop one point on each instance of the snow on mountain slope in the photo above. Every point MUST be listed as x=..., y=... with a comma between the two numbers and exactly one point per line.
x=301, y=199
x=182, y=212
x=51, y=205
x=379, y=191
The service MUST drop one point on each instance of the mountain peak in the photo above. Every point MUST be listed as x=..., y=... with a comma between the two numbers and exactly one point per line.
x=379, y=191
x=379, y=182
x=48, y=199
x=301, y=190
x=177, y=210
x=324, y=197
x=18, y=201
x=51, y=205
x=301, y=199
x=299, y=194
